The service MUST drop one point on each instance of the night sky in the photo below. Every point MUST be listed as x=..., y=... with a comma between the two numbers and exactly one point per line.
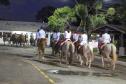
x=25, y=10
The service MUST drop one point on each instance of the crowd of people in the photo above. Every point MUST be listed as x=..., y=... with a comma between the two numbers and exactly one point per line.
x=19, y=39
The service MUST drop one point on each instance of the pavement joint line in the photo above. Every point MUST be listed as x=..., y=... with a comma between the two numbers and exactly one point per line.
x=51, y=81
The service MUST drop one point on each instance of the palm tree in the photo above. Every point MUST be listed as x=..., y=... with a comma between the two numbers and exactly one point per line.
x=88, y=12
x=82, y=12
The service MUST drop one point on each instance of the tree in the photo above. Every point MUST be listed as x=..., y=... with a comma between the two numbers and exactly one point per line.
x=4, y=2
x=111, y=15
x=88, y=11
x=44, y=13
x=97, y=20
x=120, y=12
x=61, y=17
x=82, y=12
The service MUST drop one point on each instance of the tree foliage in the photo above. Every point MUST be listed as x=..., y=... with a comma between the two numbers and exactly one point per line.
x=97, y=20
x=120, y=12
x=88, y=11
x=61, y=17
x=111, y=11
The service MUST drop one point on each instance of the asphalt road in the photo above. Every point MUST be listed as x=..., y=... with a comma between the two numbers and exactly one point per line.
x=18, y=66
x=13, y=70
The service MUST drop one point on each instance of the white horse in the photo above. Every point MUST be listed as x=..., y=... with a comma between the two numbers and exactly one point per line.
x=67, y=50
x=86, y=54
x=109, y=52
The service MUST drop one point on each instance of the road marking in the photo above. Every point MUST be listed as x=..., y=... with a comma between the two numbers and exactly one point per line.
x=51, y=81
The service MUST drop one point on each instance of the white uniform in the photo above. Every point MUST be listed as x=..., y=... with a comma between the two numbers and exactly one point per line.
x=56, y=36
x=67, y=35
x=83, y=39
x=106, y=38
x=37, y=35
x=42, y=34
x=75, y=37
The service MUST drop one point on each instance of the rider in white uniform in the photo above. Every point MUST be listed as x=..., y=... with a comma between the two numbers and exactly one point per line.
x=56, y=36
x=83, y=38
x=42, y=34
x=106, y=38
x=75, y=37
x=67, y=36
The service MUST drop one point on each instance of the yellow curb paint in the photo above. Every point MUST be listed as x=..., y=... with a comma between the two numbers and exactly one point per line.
x=42, y=73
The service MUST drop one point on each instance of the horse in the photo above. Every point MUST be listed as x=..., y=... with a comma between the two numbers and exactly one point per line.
x=109, y=52
x=41, y=44
x=54, y=47
x=26, y=39
x=85, y=52
x=21, y=40
x=67, y=50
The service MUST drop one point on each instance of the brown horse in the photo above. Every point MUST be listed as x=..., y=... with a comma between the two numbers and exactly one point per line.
x=53, y=45
x=86, y=54
x=41, y=44
x=109, y=52
x=67, y=50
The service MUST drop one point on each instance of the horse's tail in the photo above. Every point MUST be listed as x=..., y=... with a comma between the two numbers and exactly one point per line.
x=114, y=55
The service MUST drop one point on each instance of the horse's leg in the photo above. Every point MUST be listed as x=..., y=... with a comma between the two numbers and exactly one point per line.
x=39, y=54
x=109, y=63
x=89, y=61
x=103, y=62
x=86, y=58
x=66, y=57
x=43, y=50
x=60, y=57
x=71, y=58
